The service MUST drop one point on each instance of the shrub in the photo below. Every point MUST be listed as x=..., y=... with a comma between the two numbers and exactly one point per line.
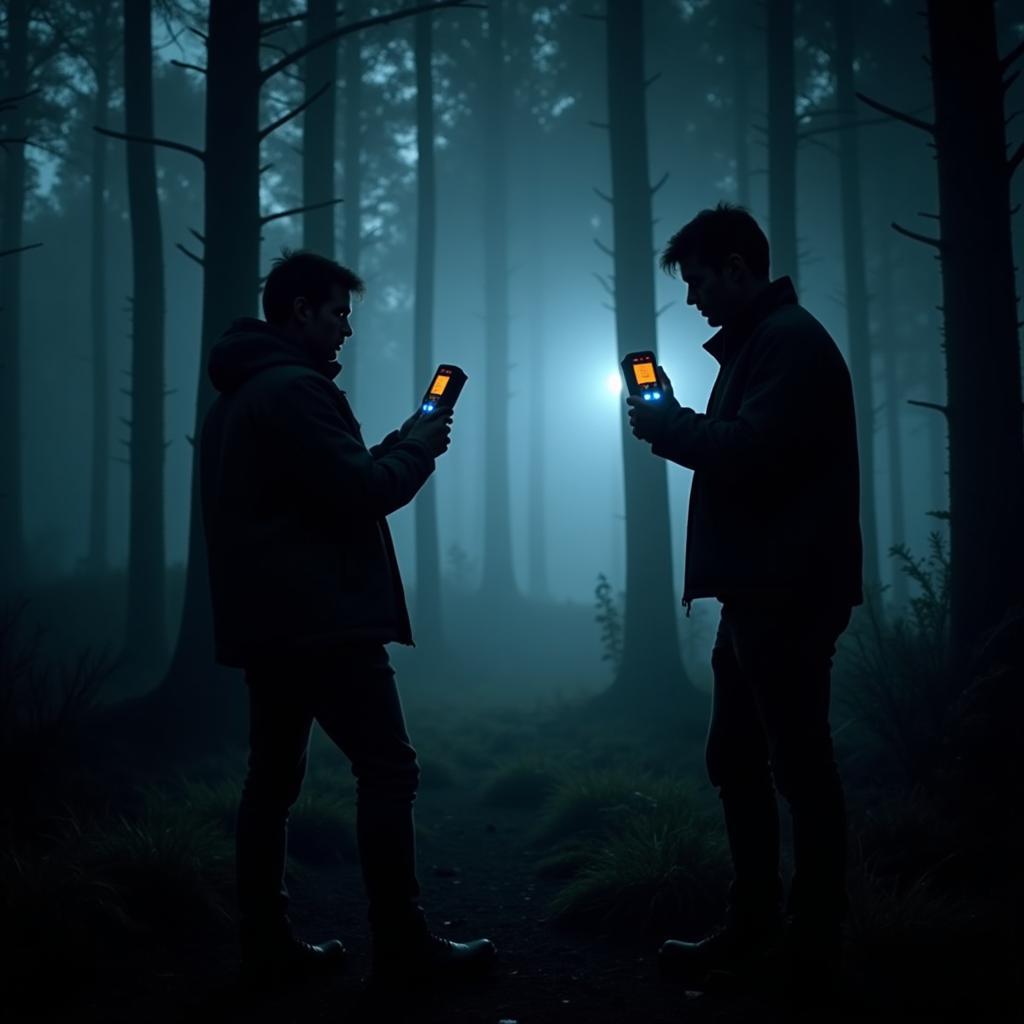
x=525, y=783
x=609, y=618
x=659, y=873
x=894, y=677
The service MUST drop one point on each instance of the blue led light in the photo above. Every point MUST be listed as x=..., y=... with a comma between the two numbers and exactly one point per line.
x=656, y=395
x=427, y=407
x=647, y=396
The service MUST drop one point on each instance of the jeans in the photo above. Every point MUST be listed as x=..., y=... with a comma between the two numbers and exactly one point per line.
x=770, y=732
x=352, y=693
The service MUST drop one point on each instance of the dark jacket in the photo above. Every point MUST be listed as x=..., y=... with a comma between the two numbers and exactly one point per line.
x=294, y=505
x=774, y=505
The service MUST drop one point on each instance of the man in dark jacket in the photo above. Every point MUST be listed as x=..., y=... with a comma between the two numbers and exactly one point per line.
x=306, y=592
x=774, y=535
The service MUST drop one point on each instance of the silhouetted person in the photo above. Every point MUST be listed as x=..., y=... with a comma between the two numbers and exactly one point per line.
x=306, y=592
x=773, y=533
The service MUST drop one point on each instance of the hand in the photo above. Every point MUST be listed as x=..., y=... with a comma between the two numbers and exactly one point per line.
x=434, y=430
x=648, y=420
x=403, y=430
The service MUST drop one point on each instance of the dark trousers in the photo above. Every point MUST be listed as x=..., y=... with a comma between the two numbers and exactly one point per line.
x=352, y=694
x=769, y=724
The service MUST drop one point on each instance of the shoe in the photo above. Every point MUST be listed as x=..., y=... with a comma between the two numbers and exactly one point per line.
x=432, y=959
x=728, y=949
x=289, y=960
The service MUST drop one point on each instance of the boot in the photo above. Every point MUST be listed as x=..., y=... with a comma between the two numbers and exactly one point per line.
x=430, y=959
x=288, y=959
x=729, y=948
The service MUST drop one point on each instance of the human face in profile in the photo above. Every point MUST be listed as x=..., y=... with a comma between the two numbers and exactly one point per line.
x=325, y=328
x=717, y=293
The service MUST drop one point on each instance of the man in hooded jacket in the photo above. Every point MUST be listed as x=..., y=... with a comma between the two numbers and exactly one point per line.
x=306, y=592
x=773, y=533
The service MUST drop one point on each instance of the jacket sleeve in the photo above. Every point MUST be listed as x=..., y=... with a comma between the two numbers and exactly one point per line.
x=333, y=466
x=389, y=441
x=776, y=424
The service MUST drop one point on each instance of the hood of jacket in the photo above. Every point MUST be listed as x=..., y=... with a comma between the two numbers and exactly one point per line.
x=250, y=346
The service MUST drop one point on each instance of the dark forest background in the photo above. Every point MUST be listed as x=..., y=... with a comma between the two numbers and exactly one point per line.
x=502, y=175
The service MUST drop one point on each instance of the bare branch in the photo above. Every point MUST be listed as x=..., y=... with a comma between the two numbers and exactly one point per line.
x=1005, y=63
x=914, y=122
x=166, y=143
x=928, y=216
x=935, y=242
x=202, y=35
x=661, y=309
x=21, y=248
x=1007, y=82
x=598, y=124
x=825, y=129
x=274, y=125
x=265, y=168
x=298, y=209
x=199, y=237
x=650, y=81
x=944, y=409
x=268, y=27
x=605, y=284
x=661, y=181
x=191, y=255
x=1014, y=162
x=188, y=67
x=602, y=195
x=357, y=26
x=604, y=248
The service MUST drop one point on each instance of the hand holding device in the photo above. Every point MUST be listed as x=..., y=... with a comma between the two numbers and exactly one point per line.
x=444, y=389
x=651, y=398
x=434, y=430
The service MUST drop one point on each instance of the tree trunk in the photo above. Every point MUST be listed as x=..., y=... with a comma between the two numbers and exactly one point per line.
x=100, y=476
x=651, y=675
x=536, y=497
x=145, y=623
x=986, y=455
x=892, y=363
x=352, y=171
x=782, y=141
x=318, y=133
x=230, y=289
x=12, y=540
x=857, y=319
x=498, y=575
x=741, y=99
x=428, y=563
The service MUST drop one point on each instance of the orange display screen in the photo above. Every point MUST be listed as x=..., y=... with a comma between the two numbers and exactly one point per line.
x=644, y=373
x=440, y=383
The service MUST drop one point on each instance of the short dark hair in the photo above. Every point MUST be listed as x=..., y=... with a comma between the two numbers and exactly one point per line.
x=304, y=274
x=713, y=235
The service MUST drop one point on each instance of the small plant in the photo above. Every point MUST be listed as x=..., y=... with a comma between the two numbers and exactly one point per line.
x=609, y=618
x=897, y=680
x=525, y=783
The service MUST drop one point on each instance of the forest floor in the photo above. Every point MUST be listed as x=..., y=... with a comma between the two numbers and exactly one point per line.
x=478, y=878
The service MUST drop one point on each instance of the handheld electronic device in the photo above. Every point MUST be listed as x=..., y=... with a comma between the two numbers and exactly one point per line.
x=444, y=389
x=641, y=372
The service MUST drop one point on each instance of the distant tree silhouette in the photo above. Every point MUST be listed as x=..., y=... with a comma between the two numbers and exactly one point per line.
x=983, y=374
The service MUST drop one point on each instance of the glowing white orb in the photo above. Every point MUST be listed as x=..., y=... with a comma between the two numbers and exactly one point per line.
x=613, y=382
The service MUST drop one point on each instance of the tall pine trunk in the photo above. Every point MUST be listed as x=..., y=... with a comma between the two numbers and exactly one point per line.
x=651, y=674
x=318, y=133
x=741, y=10
x=145, y=624
x=13, y=566
x=986, y=455
x=428, y=563
x=891, y=367
x=857, y=318
x=100, y=476
x=352, y=172
x=230, y=289
x=782, y=140
x=498, y=575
